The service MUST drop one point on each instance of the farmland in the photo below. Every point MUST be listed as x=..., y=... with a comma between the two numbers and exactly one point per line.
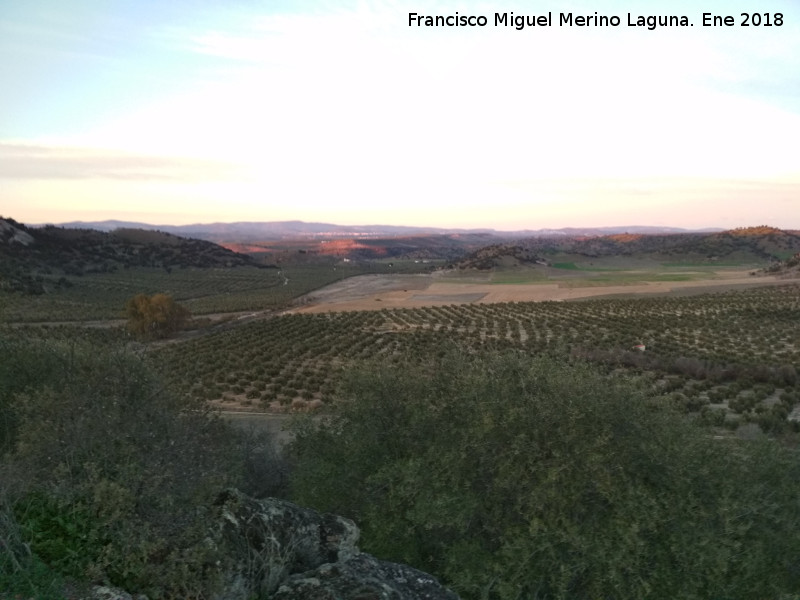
x=524, y=284
x=102, y=296
x=719, y=334
x=729, y=358
x=56, y=274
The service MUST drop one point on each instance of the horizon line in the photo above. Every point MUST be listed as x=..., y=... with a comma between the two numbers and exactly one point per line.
x=123, y=222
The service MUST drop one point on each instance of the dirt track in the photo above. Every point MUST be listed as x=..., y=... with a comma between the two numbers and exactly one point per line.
x=374, y=292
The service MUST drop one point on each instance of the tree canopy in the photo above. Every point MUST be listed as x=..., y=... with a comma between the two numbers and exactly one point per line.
x=156, y=316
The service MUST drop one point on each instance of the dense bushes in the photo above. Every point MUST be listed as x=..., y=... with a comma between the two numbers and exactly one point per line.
x=509, y=476
x=514, y=477
x=107, y=477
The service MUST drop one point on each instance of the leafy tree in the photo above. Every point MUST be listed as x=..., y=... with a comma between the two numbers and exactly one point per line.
x=513, y=477
x=156, y=316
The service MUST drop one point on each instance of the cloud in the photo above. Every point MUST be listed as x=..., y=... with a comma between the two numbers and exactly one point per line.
x=25, y=161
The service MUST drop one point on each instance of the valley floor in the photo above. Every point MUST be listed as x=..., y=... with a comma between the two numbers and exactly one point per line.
x=376, y=292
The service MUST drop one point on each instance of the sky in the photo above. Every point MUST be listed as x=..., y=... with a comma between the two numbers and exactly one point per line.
x=199, y=111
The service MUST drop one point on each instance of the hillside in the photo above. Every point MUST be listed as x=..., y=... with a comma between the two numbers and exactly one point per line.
x=284, y=241
x=751, y=244
x=35, y=260
x=501, y=255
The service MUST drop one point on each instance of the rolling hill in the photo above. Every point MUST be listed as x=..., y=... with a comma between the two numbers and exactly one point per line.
x=33, y=260
x=755, y=245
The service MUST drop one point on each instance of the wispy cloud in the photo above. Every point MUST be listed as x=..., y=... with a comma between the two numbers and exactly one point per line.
x=24, y=161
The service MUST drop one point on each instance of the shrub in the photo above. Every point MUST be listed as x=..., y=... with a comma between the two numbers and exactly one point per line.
x=683, y=403
x=713, y=417
x=107, y=476
x=513, y=477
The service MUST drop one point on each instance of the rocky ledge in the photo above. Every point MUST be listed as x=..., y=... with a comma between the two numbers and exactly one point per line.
x=276, y=549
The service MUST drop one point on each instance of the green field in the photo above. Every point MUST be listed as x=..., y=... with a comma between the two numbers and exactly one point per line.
x=574, y=274
x=519, y=276
x=610, y=279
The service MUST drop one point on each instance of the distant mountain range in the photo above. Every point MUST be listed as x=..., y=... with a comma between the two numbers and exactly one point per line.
x=247, y=231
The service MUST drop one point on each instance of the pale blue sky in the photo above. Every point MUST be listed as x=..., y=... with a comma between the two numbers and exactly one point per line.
x=197, y=111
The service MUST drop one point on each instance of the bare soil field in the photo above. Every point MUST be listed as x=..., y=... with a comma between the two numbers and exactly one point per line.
x=375, y=292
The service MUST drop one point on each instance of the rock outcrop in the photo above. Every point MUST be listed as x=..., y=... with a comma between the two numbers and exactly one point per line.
x=274, y=549
x=264, y=541
x=364, y=577
x=103, y=592
x=277, y=549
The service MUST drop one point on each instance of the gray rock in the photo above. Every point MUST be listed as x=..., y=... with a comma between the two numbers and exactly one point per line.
x=266, y=540
x=103, y=592
x=269, y=544
x=363, y=577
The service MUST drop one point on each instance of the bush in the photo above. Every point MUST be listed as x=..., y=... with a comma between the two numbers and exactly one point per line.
x=682, y=403
x=512, y=477
x=107, y=477
x=22, y=367
x=712, y=417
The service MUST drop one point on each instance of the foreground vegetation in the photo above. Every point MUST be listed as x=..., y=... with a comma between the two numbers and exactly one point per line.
x=508, y=475
x=105, y=476
x=516, y=478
